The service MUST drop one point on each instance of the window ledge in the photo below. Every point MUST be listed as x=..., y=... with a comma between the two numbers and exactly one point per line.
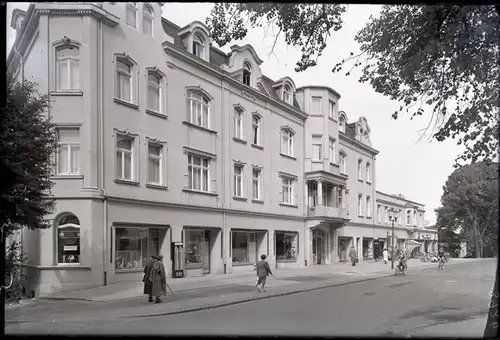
x=239, y=198
x=123, y=102
x=239, y=140
x=157, y=114
x=332, y=119
x=286, y=261
x=131, y=270
x=66, y=177
x=185, y=122
x=189, y=266
x=360, y=216
x=60, y=266
x=334, y=164
x=288, y=156
x=257, y=201
x=369, y=217
x=126, y=181
x=315, y=115
x=289, y=205
x=257, y=146
x=209, y=193
x=236, y=264
x=360, y=180
x=67, y=93
x=156, y=186
x=316, y=161
x=368, y=182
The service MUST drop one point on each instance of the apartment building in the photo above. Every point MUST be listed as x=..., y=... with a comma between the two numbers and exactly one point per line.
x=165, y=140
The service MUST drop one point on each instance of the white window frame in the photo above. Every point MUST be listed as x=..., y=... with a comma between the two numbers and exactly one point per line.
x=239, y=123
x=133, y=76
x=162, y=162
x=195, y=117
x=368, y=172
x=147, y=15
x=317, y=147
x=70, y=61
x=386, y=214
x=162, y=90
x=202, y=168
x=287, y=94
x=379, y=213
x=131, y=6
x=332, y=150
x=360, y=205
x=342, y=124
x=408, y=217
x=256, y=130
x=247, y=74
x=133, y=157
x=313, y=107
x=68, y=145
x=57, y=242
x=289, y=142
x=257, y=179
x=331, y=109
x=368, y=206
x=343, y=162
x=198, y=46
x=288, y=185
x=360, y=170
x=238, y=180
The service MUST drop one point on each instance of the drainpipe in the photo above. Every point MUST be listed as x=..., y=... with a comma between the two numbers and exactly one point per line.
x=222, y=135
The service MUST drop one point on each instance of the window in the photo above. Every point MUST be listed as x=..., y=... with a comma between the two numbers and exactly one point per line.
x=316, y=147
x=238, y=123
x=67, y=68
x=256, y=130
x=343, y=163
x=154, y=92
x=331, y=109
x=408, y=217
x=124, y=80
x=342, y=124
x=360, y=174
x=360, y=201
x=155, y=164
x=286, y=246
x=198, y=109
x=195, y=248
x=256, y=184
x=386, y=214
x=368, y=206
x=316, y=105
x=238, y=180
x=124, y=157
x=68, y=240
x=147, y=20
x=287, y=190
x=287, y=94
x=332, y=151
x=198, y=46
x=132, y=14
x=368, y=173
x=420, y=220
x=244, y=247
x=68, y=151
x=135, y=246
x=198, y=173
x=414, y=222
x=247, y=74
x=287, y=142
x=379, y=212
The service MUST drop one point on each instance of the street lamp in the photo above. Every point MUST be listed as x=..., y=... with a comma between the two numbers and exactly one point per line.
x=393, y=217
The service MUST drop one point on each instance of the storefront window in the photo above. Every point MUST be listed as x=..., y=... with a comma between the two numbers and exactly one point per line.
x=194, y=244
x=286, y=246
x=134, y=246
x=244, y=247
x=68, y=239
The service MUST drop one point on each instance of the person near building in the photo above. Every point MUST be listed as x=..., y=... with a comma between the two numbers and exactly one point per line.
x=386, y=255
x=158, y=279
x=263, y=270
x=148, y=286
x=353, y=256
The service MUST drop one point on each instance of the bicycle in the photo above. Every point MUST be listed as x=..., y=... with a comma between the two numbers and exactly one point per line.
x=441, y=262
x=400, y=269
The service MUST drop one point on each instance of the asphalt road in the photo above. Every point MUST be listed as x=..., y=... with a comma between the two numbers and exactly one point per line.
x=423, y=303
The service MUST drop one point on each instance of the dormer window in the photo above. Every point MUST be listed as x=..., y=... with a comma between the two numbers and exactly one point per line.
x=247, y=74
x=287, y=94
x=342, y=124
x=147, y=20
x=198, y=46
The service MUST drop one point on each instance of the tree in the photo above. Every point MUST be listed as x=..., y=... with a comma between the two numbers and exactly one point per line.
x=439, y=60
x=469, y=206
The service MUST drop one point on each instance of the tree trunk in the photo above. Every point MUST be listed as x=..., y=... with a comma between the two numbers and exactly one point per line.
x=478, y=250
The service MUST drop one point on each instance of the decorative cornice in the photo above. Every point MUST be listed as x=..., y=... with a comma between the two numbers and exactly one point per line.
x=238, y=162
x=358, y=144
x=155, y=139
x=287, y=174
x=77, y=10
x=256, y=114
x=287, y=128
x=258, y=167
x=125, y=132
x=188, y=149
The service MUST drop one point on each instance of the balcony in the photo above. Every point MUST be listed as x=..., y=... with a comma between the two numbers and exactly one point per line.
x=324, y=211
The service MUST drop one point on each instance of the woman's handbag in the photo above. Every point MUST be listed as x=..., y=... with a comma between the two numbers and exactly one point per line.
x=356, y=260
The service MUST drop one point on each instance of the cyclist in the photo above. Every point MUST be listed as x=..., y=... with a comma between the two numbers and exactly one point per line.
x=403, y=259
x=441, y=258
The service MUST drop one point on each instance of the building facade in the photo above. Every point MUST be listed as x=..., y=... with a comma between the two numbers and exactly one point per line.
x=164, y=139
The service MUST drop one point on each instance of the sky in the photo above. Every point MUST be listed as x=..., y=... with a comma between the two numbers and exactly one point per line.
x=415, y=167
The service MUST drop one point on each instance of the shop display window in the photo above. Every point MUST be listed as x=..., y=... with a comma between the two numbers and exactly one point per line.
x=134, y=246
x=244, y=247
x=194, y=245
x=286, y=246
x=68, y=240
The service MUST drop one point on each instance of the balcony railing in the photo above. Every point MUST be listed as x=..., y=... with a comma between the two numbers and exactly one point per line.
x=321, y=210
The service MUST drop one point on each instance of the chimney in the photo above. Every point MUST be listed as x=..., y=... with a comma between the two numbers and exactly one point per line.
x=18, y=17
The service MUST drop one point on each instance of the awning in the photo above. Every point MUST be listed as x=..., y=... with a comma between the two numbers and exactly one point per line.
x=413, y=242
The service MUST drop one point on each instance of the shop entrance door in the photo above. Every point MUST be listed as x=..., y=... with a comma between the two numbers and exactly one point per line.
x=319, y=246
x=343, y=242
x=205, y=252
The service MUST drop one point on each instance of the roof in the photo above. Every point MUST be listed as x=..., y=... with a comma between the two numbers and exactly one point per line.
x=15, y=14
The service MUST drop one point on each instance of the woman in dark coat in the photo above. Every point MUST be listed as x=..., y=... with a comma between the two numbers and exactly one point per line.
x=148, y=286
x=158, y=279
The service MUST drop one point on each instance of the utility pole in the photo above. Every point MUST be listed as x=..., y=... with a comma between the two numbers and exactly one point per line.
x=393, y=217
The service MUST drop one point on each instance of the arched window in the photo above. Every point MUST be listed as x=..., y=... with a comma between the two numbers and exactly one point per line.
x=198, y=105
x=124, y=80
x=132, y=14
x=238, y=123
x=343, y=163
x=256, y=130
x=408, y=217
x=67, y=68
x=360, y=173
x=147, y=20
x=68, y=239
x=198, y=46
x=247, y=74
x=342, y=124
x=368, y=172
x=154, y=92
x=287, y=94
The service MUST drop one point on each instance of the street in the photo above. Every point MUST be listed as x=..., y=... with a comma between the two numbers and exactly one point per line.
x=424, y=302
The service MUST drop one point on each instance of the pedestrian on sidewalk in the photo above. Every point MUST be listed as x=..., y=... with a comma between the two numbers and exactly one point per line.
x=353, y=256
x=263, y=270
x=386, y=255
x=158, y=279
x=148, y=285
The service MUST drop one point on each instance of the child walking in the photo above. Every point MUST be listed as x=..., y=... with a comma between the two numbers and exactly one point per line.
x=263, y=270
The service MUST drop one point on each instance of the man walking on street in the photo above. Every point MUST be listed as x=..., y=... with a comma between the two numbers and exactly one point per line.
x=263, y=270
x=386, y=256
x=148, y=286
x=353, y=255
x=158, y=279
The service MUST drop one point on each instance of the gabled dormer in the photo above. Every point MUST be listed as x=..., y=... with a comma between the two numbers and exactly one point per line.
x=285, y=89
x=196, y=39
x=17, y=20
x=244, y=65
x=342, y=121
x=362, y=131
